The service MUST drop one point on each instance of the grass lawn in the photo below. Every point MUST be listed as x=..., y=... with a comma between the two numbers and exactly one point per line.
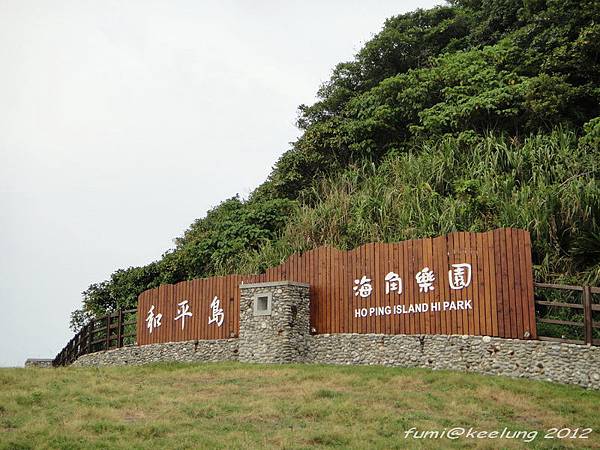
x=231, y=405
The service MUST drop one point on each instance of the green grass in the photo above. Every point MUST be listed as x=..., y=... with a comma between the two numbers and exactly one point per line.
x=232, y=405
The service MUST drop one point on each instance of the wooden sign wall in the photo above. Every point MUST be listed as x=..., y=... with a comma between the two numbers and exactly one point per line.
x=462, y=283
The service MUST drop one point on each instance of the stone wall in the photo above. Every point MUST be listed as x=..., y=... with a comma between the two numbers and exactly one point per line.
x=281, y=335
x=38, y=362
x=538, y=360
x=188, y=351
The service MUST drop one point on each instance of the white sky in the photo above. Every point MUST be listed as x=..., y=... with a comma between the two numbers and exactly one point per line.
x=122, y=122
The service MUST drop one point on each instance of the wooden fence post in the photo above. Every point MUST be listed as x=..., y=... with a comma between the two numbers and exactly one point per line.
x=119, y=331
x=90, y=335
x=107, y=340
x=587, y=314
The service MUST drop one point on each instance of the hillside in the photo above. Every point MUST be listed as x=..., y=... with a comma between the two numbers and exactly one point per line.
x=256, y=406
x=471, y=116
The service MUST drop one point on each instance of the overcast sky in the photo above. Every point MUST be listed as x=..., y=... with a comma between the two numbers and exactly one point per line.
x=123, y=121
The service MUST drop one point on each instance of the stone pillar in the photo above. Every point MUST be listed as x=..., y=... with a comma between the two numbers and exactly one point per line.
x=274, y=322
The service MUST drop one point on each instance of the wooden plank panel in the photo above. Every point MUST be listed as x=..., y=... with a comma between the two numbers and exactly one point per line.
x=506, y=289
x=347, y=310
x=440, y=294
x=457, y=325
x=205, y=292
x=428, y=261
x=407, y=288
x=492, y=292
x=326, y=300
x=221, y=331
x=459, y=256
x=347, y=291
x=186, y=335
x=485, y=323
x=501, y=290
x=523, y=308
x=375, y=282
x=503, y=325
x=330, y=270
x=144, y=336
x=388, y=300
x=179, y=296
x=372, y=273
x=380, y=286
x=515, y=318
x=152, y=299
x=323, y=255
x=399, y=298
x=476, y=295
x=358, y=300
x=421, y=263
x=529, y=280
x=166, y=332
x=318, y=291
x=464, y=293
x=172, y=302
x=343, y=310
x=412, y=288
x=313, y=290
x=191, y=330
x=490, y=279
x=357, y=323
x=364, y=270
x=227, y=305
x=338, y=267
x=212, y=328
x=236, y=305
x=525, y=298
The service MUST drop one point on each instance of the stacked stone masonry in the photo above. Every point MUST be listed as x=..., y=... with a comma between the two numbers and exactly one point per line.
x=38, y=362
x=562, y=363
x=538, y=360
x=283, y=336
x=188, y=351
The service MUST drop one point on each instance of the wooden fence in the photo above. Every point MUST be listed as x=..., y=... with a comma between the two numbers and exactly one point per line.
x=111, y=331
x=563, y=315
x=499, y=294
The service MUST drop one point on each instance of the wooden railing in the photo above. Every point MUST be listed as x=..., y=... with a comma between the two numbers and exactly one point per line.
x=565, y=313
x=114, y=330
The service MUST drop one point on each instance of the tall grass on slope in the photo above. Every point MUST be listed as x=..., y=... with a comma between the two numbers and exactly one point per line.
x=547, y=184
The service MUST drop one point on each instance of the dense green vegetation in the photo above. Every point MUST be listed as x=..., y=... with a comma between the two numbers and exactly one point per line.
x=470, y=116
x=245, y=406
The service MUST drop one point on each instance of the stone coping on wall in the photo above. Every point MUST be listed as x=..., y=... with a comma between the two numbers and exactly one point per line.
x=273, y=284
x=532, y=359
